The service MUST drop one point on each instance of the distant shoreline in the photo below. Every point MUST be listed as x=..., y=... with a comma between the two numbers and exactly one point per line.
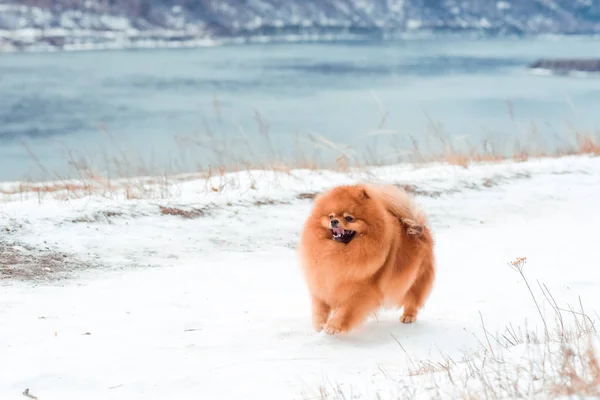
x=60, y=40
x=564, y=66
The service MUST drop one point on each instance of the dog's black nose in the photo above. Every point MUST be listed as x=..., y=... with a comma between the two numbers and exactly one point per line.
x=334, y=223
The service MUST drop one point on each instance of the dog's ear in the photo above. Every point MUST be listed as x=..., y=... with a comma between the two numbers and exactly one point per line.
x=364, y=194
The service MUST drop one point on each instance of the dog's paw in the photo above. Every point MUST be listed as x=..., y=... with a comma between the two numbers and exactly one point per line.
x=408, y=319
x=318, y=326
x=318, y=322
x=331, y=328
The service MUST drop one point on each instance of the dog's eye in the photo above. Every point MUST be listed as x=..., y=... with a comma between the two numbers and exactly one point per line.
x=330, y=216
x=349, y=218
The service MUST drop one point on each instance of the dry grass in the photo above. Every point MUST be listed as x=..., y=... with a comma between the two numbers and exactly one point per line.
x=189, y=213
x=587, y=144
x=123, y=175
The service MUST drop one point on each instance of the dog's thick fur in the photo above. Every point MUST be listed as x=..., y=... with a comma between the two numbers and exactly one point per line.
x=389, y=259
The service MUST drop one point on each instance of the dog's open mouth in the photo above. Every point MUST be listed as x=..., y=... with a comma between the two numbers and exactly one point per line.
x=341, y=235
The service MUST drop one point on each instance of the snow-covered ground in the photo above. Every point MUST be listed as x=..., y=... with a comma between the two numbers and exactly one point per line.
x=214, y=307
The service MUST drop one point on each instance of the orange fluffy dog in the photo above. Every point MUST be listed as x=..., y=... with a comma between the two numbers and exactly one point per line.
x=364, y=246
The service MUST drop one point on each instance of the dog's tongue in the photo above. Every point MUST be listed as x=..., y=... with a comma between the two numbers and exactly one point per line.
x=338, y=231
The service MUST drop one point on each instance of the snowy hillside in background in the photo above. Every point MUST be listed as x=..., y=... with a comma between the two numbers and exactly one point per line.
x=197, y=293
x=136, y=23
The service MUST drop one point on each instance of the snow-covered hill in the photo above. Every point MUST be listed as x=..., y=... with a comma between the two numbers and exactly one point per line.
x=203, y=298
x=122, y=23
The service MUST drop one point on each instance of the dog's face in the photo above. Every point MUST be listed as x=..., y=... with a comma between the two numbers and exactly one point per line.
x=344, y=213
x=341, y=225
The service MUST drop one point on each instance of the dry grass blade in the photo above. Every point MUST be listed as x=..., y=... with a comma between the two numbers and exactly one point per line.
x=192, y=213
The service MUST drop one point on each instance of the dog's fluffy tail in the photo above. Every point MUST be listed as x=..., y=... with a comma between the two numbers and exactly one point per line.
x=399, y=203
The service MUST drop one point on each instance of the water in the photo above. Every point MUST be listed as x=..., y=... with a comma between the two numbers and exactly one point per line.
x=56, y=107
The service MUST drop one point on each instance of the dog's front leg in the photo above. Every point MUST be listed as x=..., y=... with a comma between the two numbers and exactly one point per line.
x=354, y=311
x=320, y=313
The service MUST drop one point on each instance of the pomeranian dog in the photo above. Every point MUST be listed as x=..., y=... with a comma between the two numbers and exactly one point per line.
x=363, y=247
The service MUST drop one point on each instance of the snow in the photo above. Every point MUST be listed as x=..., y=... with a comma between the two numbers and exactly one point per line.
x=215, y=307
x=571, y=74
x=503, y=5
x=412, y=24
